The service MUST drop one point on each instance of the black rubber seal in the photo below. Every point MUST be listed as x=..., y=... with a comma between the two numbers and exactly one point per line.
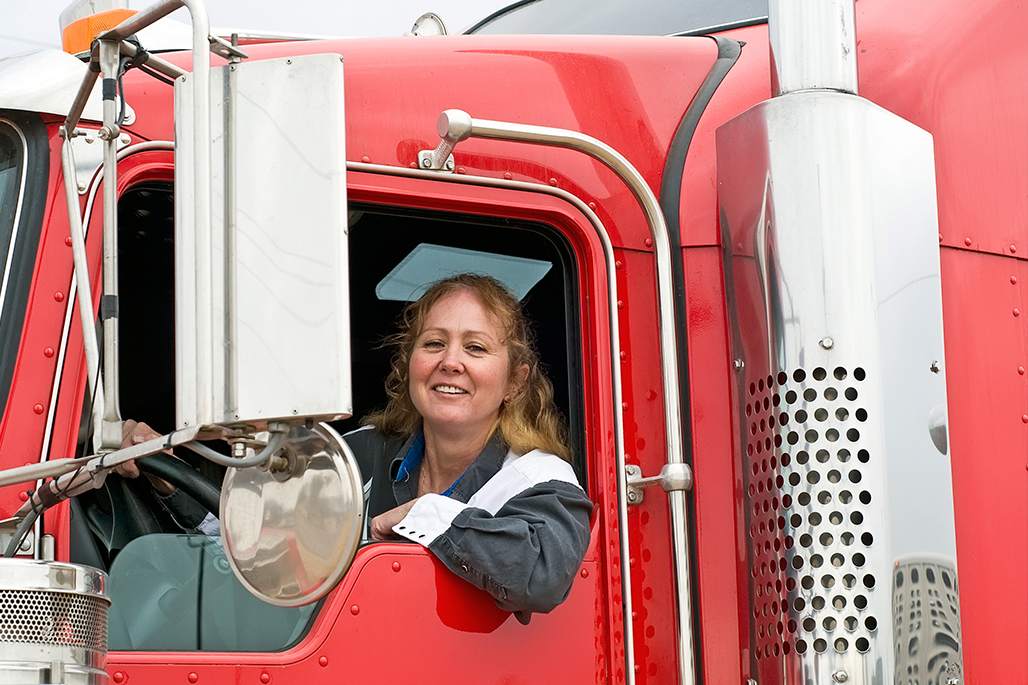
x=498, y=13
x=108, y=307
x=728, y=52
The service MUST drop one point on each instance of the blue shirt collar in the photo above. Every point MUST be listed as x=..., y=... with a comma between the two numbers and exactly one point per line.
x=411, y=463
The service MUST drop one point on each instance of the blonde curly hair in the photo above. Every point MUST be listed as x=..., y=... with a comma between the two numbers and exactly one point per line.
x=528, y=419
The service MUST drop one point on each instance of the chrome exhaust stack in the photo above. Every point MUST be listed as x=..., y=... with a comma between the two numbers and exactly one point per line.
x=829, y=221
x=813, y=46
x=53, y=623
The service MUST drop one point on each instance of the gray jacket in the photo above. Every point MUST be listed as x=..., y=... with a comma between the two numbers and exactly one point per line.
x=514, y=526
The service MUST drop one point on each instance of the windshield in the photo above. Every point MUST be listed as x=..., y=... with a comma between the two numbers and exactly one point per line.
x=12, y=163
x=23, y=170
x=625, y=17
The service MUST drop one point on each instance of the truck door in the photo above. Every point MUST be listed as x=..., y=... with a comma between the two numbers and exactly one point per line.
x=177, y=608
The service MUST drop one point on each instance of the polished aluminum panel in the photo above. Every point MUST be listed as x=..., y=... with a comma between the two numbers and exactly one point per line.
x=291, y=531
x=829, y=219
x=53, y=623
x=269, y=337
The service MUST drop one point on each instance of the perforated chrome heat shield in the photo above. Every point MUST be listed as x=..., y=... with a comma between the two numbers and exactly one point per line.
x=829, y=220
x=53, y=623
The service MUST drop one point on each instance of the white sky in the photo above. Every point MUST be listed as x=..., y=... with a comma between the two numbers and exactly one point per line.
x=32, y=24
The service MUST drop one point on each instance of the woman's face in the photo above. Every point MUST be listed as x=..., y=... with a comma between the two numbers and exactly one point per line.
x=459, y=368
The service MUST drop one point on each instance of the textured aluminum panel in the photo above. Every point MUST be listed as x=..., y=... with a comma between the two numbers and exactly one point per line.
x=277, y=345
x=830, y=225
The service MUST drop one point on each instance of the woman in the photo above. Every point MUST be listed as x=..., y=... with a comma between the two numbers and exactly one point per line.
x=468, y=459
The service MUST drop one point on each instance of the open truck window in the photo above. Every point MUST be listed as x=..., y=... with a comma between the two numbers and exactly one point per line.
x=175, y=591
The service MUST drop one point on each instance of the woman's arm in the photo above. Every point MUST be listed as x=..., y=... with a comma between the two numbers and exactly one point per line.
x=521, y=538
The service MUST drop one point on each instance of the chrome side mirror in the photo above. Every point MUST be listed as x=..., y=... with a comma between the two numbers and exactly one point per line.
x=291, y=528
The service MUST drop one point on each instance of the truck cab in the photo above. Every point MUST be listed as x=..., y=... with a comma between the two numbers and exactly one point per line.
x=709, y=324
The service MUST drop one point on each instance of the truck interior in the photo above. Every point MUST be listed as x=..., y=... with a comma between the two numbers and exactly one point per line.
x=176, y=592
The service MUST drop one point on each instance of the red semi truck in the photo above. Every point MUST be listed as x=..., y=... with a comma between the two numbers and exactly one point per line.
x=775, y=257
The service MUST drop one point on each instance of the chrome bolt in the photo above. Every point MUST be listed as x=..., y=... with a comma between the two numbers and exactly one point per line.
x=738, y=364
x=108, y=132
x=26, y=545
x=840, y=676
x=935, y=367
x=826, y=343
x=449, y=165
x=632, y=496
x=426, y=162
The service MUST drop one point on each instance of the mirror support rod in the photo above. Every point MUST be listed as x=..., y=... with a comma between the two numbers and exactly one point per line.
x=110, y=56
x=111, y=47
x=454, y=126
x=78, y=251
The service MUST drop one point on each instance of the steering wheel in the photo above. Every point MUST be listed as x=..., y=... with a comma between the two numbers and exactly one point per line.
x=184, y=477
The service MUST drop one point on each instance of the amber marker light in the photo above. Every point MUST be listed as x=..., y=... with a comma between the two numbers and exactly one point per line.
x=78, y=35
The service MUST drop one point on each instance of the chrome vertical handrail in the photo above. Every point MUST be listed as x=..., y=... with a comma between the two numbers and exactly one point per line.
x=456, y=125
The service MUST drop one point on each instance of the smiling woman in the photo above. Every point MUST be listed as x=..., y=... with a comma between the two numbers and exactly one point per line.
x=468, y=457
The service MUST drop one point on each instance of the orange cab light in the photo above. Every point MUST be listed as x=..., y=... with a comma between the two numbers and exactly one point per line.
x=79, y=34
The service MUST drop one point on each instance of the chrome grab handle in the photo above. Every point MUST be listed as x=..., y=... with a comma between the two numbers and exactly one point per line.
x=672, y=478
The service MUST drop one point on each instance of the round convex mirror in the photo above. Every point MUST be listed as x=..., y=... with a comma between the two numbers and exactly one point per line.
x=291, y=528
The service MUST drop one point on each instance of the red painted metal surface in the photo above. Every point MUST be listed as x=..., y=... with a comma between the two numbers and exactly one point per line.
x=400, y=616
x=630, y=92
x=986, y=352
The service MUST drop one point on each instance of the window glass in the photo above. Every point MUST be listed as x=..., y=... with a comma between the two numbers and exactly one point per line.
x=178, y=593
x=12, y=163
x=624, y=17
x=427, y=263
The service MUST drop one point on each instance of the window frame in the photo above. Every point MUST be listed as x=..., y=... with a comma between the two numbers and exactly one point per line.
x=25, y=229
